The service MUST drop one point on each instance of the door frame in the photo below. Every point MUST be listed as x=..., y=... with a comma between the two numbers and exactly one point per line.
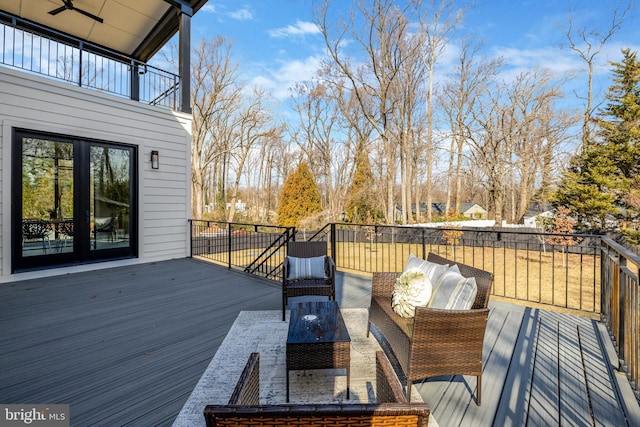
x=82, y=252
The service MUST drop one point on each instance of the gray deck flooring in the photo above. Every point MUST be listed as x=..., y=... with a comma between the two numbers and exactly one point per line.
x=126, y=346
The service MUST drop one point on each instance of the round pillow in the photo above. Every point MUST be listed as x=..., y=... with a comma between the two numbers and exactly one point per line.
x=412, y=289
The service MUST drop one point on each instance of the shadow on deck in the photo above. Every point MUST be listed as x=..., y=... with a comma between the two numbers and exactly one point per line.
x=126, y=346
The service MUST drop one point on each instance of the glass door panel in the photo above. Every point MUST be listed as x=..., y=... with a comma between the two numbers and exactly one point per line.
x=47, y=197
x=74, y=200
x=110, y=197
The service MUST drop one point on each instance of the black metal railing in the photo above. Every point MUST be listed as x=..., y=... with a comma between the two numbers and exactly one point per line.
x=256, y=249
x=40, y=50
x=544, y=268
x=588, y=274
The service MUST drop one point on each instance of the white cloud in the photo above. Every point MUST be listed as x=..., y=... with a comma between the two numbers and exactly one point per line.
x=242, y=14
x=552, y=58
x=278, y=81
x=300, y=28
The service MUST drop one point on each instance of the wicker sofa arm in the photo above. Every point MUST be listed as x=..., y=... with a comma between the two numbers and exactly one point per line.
x=388, y=387
x=247, y=389
x=382, y=284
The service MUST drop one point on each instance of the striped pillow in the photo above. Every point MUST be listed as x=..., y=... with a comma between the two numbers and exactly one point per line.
x=431, y=269
x=306, y=268
x=453, y=291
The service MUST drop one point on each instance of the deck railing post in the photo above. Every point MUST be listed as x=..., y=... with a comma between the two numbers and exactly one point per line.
x=229, y=243
x=190, y=222
x=332, y=236
x=621, y=306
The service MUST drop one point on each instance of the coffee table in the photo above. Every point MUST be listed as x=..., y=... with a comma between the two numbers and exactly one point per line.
x=317, y=339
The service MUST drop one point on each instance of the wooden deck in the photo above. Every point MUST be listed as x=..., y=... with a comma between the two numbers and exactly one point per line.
x=126, y=346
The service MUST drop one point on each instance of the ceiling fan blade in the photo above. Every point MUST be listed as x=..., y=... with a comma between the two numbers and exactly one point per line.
x=58, y=10
x=90, y=15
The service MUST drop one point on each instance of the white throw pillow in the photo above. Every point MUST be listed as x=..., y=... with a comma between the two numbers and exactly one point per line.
x=412, y=289
x=306, y=268
x=431, y=269
x=454, y=291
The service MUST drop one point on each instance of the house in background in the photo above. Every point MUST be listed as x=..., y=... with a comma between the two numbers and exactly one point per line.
x=468, y=210
x=544, y=210
x=95, y=142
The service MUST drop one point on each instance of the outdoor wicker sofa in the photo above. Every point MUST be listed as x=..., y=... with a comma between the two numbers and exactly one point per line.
x=323, y=285
x=390, y=410
x=435, y=342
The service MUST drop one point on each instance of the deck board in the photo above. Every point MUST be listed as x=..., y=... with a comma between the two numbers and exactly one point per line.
x=544, y=402
x=574, y=399
x=126, y=346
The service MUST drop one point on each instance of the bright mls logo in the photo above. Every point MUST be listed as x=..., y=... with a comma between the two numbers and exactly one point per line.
x=34, y=415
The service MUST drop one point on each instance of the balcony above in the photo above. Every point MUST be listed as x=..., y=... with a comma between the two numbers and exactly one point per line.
x=100, y=34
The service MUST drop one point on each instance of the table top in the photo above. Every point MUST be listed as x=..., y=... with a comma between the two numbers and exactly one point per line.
x=317, y=322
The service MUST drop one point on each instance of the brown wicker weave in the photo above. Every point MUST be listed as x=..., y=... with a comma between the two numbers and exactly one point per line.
x=434, y=342
x=302, y=287
x=392, y=410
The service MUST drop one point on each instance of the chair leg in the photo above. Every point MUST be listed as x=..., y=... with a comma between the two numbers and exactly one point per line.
x=284, y=305
x=409, y=387
x=479, y=392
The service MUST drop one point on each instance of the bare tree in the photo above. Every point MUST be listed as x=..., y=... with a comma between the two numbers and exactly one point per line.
x=385, y=28
x=588, y=44
x=459, y=97
x=215, y=96
x=406, y=124
x=253, y=126
x=444, y=17
x=535, y=127
x=319, y=135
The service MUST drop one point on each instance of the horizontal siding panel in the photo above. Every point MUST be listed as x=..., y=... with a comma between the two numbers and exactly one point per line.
x=41, y=104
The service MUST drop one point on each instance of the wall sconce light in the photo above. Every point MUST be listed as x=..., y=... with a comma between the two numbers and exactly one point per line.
x=155, y=160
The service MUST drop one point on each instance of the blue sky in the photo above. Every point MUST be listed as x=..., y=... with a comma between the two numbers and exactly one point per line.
x=276, y=44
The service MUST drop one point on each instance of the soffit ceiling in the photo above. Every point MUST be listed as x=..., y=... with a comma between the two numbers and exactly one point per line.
x=137, y=28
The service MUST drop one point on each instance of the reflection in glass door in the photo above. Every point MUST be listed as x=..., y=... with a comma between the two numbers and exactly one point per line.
x=110, y=197
x=74, y=200
x=47, y=197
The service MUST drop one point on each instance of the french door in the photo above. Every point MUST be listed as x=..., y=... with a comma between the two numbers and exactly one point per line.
x=74, y=200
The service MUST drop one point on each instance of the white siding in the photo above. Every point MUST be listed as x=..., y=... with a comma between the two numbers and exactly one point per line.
x=37, y=103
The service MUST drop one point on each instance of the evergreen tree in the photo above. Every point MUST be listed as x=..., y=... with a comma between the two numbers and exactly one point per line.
x=361, y=201
x=300, y=197
x=598, y=180
x=620, y=129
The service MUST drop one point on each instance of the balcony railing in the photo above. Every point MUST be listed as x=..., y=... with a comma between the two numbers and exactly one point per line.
x=589, y=275
x=40, y=50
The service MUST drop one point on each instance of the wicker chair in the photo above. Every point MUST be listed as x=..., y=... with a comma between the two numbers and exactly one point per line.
x=390, y=410
x=301, y=287
x=435, y=342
